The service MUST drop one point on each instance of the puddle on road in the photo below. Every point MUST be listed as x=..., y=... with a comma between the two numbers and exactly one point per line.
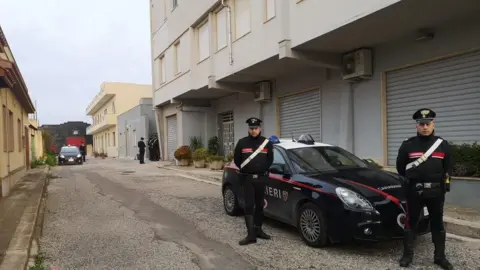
x=173, y=228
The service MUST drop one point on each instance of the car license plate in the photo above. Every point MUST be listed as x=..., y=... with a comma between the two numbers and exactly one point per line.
x=71, y=159
x=425, y=211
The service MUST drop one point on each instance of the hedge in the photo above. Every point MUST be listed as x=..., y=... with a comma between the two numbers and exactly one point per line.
x=466, y=160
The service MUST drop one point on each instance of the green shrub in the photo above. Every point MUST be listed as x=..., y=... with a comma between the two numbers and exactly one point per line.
x=51, y=159
x=216, y=158
x=200, y=154
x=466, y=160
x=213, y=145
x=196, y=142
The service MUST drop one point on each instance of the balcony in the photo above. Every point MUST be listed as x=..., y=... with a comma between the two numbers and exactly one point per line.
x=107, y=121
x=100, y=100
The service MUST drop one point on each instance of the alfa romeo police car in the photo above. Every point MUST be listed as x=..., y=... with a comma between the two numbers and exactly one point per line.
x=327, y=193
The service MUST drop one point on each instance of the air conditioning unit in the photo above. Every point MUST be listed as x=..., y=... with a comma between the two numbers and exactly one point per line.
x=357, y=65
x=264, y=92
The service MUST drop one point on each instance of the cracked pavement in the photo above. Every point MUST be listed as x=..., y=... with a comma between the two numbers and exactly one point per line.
x=117, y=214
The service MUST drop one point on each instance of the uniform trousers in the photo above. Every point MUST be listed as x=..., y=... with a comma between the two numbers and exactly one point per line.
x=434, y=201
x=254, y=194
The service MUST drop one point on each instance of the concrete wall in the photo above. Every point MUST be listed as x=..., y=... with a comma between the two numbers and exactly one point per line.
x=132, y=125
x=12, y=163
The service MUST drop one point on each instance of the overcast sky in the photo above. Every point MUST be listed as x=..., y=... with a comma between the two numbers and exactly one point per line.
x=65, y=49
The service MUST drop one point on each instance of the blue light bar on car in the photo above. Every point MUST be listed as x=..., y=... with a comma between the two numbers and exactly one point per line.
x=274, y=139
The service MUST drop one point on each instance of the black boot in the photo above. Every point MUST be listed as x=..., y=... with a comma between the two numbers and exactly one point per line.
x=251, y=238
x=407, y=256
x=438, y=239
x=261, y=234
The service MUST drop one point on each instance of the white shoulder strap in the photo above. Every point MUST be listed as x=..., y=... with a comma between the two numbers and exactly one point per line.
x=425, y=156
x=254, y=154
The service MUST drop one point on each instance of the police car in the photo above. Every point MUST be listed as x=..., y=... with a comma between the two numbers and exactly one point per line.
x=327, y=193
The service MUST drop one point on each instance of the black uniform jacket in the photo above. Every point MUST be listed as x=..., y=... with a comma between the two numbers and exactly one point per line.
x=141, y=145
x=432, y=170
x=82, y=149
x=259, y=164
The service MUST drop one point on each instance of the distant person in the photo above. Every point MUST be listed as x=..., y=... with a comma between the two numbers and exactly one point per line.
x=141, y=147
x=83, y=151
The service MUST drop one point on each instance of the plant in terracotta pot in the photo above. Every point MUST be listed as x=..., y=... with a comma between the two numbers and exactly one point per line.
x=216, y=162
x=183, y=154
x=199, y=157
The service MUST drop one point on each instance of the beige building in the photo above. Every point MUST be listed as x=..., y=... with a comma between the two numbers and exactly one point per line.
x=112, y=100
x=16, y=105
x=348, y=72
x=36, y=140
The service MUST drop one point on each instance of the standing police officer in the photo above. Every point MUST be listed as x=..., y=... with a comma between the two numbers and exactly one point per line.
x=425, y=160
x=253, y=156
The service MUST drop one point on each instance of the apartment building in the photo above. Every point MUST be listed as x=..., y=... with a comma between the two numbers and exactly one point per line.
x=350, y=73
x=113, y=100
x=36, y=139
x=14, y=125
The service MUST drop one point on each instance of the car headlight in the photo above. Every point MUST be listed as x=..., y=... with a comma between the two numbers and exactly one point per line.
x=79, y=155
x=62, y=156
x=353, y=200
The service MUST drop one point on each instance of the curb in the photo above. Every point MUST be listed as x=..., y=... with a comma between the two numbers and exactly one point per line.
x=18, y=252
x=462, y=227
x=453, y=226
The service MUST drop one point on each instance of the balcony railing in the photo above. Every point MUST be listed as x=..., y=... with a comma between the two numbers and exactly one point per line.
x=106, y=121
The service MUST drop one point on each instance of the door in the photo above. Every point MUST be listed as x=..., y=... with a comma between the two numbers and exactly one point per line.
x=228, y=133
x=171, y=136
x=450, y=87
x=277, y=189
x=301, y=113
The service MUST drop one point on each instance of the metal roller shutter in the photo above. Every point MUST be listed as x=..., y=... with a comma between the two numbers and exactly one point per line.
x=171, y=136
x=450, y=87
x=301, y=113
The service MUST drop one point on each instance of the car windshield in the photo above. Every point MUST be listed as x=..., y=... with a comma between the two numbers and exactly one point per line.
x=320, y=159
x=69, y=151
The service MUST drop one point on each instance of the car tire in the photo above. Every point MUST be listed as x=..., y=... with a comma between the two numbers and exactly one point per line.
x=230, y=201
x=312, y=226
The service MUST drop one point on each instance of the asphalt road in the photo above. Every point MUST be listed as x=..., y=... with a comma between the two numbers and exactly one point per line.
x=117, y=214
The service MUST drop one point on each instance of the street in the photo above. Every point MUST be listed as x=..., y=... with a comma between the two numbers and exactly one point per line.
x=118, y=214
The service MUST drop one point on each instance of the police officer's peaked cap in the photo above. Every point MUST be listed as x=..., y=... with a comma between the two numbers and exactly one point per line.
x=141, y=138
x=253, y=122
x=424, y=115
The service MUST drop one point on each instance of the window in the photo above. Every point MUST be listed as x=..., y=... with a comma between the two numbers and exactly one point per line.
x=174, y=4
x=203, y=42
x=19, y=134
x=324, y=159
x=278, y=158
x=221, y=25
x=113, y=107
x=242, y=18
x=269, y=9
x=163, y=74
x=113, y=138
x=176, y=51
x=105, y=112
x=11, y=133
x=5, y=128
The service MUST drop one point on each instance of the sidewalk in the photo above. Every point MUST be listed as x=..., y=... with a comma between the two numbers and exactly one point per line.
x=18, y=215
x=458, y=220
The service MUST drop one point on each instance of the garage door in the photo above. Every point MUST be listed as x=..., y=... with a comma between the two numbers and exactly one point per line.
x=450, y=87
x=171, y=136
x=301, y=113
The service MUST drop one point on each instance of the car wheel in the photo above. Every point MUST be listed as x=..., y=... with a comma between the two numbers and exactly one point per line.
x=230, y=202
x=312, y=226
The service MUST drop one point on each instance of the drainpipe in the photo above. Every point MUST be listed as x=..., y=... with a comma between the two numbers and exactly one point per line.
x=229, y=27
x=8, y=133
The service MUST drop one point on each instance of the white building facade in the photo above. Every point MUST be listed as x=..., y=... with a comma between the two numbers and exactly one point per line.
x=350, y=73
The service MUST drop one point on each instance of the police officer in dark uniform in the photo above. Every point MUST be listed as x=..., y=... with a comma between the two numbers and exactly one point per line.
x=252, y=173
x=426, y=162
x=141, y=147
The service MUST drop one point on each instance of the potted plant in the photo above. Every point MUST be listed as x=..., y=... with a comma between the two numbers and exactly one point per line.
x=183, y=154
x=196, y=142
x=216, y=162
x=199, y=157
x=213, y=145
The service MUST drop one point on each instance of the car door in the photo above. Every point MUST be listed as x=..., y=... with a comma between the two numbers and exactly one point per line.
x=278, y=187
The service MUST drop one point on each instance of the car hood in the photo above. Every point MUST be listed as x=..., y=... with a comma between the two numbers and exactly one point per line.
x=70, y=155
x=371, y=183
